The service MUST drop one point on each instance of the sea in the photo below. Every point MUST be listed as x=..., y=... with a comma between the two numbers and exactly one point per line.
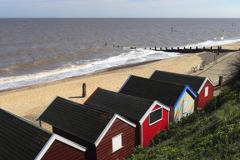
x=34, y=51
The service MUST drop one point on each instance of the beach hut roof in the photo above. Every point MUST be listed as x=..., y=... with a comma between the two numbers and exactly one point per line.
x=132, y=108
x=80, y=120
x=19, y=138
x=164, y=92
x=195, y=82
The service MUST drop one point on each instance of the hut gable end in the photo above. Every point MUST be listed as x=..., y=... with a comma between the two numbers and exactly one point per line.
x=59, y=147
x=184, y=107
x=60, y=150
x=150, y=130
x=125, y=134
x=203, y=97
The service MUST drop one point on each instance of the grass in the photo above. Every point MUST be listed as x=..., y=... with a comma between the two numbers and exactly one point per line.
x=211, y=133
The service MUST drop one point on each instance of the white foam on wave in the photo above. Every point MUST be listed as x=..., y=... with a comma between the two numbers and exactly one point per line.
x=219, y=38
x=201, y=44
x=215, y=42
x=128, y=57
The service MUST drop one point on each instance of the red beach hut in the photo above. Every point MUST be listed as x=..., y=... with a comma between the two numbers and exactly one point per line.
x=106, y=135
x=150, y=116
x=21, y=139
x=203, y=86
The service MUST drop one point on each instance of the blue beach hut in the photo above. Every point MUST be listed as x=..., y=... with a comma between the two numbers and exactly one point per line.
x=178, y=97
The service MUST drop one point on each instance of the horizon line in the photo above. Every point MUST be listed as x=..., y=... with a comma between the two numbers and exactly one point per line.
x=127, y=17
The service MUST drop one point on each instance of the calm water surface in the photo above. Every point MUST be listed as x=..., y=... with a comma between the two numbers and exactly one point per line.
x=41, y=50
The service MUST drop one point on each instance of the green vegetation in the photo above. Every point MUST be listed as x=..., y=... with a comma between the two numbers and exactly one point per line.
x=211, y=133
x=235, y=70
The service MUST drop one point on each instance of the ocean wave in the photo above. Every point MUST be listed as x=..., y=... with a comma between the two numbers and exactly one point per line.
x=12, y=67
x=134, y=56
x=27, y=64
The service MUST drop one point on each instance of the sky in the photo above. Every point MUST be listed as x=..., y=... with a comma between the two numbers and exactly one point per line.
x=119, y=8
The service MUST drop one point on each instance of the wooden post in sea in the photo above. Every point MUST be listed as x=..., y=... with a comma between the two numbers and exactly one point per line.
x=172, y=48
x=166, y=48
x=219, y=48
x=161, y=48
x=84, y=90
x=155, y=48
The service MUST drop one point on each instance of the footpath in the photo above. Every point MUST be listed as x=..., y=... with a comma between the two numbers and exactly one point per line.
x=221, y=67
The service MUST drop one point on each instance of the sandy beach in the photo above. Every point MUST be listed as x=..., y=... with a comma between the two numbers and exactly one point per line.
x=30, y=101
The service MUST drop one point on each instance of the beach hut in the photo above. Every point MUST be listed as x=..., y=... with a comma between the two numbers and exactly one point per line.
x=106, y=135
x=179, y=98
x=149, y=116
x=21, y=139
x=203, y=86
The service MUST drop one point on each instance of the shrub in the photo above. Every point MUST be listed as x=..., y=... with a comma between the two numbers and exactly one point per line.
x=227, y=94
x=137, y=149
x=201, y=135
x=236, y=71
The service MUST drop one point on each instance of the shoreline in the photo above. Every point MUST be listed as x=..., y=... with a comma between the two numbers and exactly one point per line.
x=30, y=101
x=89, y=74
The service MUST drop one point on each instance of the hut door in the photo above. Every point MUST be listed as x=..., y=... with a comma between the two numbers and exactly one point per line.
x=185, y=104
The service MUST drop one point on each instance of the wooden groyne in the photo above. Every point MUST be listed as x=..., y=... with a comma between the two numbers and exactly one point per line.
x=191, y=50
x=184, y=49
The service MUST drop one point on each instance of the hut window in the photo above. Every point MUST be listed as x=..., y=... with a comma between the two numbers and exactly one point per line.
x=185, y=104
x=155, y=116
x=117, y=142
x=206, y=92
